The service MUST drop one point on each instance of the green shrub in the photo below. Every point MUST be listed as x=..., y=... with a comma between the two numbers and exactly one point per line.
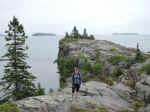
x=63, y=83
x=117, y=72
x=9, y=107
x=126, y=111
x=51, y=90
x=40, y=90
x=109, y=81
x=130, y=61
x=78, y=109
x=98, y=69
x=145, y=68
x=116, y=59
x=103, y=109
x=130, y=83
x=113, y=49
x=67, y=40
x=86, y=66
x=66, y=68
x=139, y=56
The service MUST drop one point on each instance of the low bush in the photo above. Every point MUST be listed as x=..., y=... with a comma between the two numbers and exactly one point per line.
x=126, y=111
x=9, y=107
x=51, y=90
x=145, y=68
x=130, y=61
x=130, y=83
x=115, y=60
x=40, y=90
x=141, y=58
x=109, y=81
x=113, y=49
x=117, y=72
x=98, y=69
x=86, y=66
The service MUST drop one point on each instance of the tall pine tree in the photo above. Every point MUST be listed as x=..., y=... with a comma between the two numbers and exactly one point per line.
x=17, y=82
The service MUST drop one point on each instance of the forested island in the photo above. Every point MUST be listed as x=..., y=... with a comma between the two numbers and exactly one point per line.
x=125, y=34
x=43, y=34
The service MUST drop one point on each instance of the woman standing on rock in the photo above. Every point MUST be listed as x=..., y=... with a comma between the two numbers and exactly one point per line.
x=76, y=82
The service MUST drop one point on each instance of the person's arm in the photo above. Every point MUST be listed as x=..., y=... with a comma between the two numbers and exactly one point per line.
x=72, y=79
x=80, y=78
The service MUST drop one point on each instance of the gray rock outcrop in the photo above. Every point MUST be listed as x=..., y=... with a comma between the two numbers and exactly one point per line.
x=89, y=48
x=92, y=93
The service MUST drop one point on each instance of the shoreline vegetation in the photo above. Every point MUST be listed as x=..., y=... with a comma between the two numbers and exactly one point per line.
x=43, y=34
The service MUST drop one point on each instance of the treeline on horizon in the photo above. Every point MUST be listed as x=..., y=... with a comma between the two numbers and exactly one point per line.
x=76, y=35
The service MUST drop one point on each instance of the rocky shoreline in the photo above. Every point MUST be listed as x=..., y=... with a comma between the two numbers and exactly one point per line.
x=121, y=86
x=95, y=97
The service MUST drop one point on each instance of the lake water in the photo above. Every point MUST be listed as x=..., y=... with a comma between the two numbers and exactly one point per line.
x=43, y=52
x=129, y=41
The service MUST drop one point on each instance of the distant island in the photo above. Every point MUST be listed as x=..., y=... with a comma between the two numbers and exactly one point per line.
x=43, y=34
x=2, y=35
x=125, y=34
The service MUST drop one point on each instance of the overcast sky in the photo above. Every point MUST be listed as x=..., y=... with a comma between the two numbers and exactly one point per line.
x=59, y=16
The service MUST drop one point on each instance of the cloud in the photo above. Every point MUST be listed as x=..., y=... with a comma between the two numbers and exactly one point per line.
x=99, y=16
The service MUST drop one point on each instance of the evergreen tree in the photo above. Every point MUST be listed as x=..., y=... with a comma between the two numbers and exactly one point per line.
x=67, y=35
x=40, y=90
x=75, y=33
x=85, y=35
x=91, y=37
x=17, y=82
x=138, y=53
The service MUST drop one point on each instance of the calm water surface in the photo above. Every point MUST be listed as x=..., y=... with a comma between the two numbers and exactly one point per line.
x=42, y=53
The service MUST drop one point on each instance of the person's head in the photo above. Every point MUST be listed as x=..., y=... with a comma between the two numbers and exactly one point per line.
x=76, y=70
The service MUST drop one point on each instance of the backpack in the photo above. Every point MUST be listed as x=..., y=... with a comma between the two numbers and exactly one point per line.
x=76, y=78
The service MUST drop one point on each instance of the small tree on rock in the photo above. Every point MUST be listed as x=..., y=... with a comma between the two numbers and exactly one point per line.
x=67, y=35
x=85, y=35
x=139, y=55
x=75, y=33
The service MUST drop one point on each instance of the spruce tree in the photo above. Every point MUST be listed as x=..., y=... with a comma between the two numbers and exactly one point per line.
x=138, y=53
x=67, y=35
x=91, y=37
x=17, y=82
x=75, y=33
x=85, y=35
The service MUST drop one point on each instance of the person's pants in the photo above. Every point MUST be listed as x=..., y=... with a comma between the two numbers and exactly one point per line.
x=75, y=87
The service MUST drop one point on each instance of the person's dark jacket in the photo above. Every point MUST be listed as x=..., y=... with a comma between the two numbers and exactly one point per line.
x=76, y=79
